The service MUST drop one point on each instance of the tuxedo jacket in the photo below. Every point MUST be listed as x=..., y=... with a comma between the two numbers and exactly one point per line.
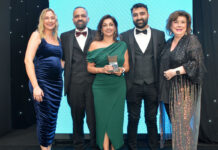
x=158, y=41
x=68, y=46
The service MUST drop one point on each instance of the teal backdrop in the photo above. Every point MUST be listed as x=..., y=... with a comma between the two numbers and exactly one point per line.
x=158, y=10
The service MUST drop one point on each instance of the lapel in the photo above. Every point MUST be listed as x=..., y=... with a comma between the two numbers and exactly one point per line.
x=155, y=44
x=132, y=46
x=70, y=44
x=87, y=43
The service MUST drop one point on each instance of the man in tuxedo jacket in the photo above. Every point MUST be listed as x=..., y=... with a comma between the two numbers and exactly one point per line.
x=144, y=46
x=77, y=81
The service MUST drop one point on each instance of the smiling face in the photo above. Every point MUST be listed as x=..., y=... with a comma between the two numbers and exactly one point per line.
x=179, y=26
x=140, y=17
x=108, y=27
x=80, y=18
x=49, y=20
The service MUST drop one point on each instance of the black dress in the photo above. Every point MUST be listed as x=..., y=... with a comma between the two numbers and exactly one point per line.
x=184, y=91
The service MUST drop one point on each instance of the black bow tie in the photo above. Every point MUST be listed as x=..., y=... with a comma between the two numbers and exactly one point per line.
x=143, y=31
x=78, y=33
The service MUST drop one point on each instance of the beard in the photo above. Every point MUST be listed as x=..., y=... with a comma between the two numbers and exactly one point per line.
x=80, y=26
x=141, y=24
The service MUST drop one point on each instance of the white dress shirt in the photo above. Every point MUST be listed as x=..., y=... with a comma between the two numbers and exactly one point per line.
x=82, y=39
x=143, y=39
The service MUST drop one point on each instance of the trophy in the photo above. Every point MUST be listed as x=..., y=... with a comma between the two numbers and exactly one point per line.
x=113, y=62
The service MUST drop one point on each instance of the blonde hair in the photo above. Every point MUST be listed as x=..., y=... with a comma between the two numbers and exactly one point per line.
x=41, y=26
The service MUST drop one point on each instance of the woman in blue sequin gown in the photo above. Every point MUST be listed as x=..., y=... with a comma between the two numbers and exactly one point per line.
x=44, y=69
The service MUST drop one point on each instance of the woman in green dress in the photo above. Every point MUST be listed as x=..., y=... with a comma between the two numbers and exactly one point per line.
x=109, y=86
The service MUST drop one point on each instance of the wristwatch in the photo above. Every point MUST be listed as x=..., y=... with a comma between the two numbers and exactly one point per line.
x=177, y=72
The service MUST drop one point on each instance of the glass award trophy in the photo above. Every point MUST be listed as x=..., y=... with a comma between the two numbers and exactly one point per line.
x=113, y=62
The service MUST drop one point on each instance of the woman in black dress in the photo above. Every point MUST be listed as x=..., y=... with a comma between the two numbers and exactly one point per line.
x=181, y=72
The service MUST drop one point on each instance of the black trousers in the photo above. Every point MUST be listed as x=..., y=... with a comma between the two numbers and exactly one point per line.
x=80, y=99
x=135, y=95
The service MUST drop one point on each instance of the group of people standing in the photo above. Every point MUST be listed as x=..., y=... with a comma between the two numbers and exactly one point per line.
x=148, y=69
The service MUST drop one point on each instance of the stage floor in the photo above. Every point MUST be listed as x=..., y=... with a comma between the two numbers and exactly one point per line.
x=26, y=139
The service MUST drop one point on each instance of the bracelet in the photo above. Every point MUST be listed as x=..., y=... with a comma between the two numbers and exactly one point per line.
x=96, y=70
x=123, y=70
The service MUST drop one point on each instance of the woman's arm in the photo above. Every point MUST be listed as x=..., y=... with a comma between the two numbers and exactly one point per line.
x=169, y=74
x=92, y=69
x=126, y=62
x=63, y=56
x=62, y=63
x=32, y=47
x=195, y=67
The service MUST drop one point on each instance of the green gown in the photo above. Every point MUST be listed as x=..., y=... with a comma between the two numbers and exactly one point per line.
x=109, y=92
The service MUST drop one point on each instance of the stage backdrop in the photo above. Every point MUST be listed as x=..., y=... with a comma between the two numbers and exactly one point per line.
x=159, y=11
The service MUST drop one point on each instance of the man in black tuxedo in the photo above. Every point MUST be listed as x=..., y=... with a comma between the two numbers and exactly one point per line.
x=77, y=81
x=144, y=46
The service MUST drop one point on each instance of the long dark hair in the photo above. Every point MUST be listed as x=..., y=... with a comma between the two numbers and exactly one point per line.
x=99, y=35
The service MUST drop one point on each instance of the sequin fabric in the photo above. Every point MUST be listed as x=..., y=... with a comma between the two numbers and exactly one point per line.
x=184, y=92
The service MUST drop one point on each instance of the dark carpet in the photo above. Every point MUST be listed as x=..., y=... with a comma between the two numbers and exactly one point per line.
x=26, y=139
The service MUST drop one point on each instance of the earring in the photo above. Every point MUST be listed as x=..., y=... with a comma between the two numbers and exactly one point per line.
x=115, y=36
x=171, y=33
